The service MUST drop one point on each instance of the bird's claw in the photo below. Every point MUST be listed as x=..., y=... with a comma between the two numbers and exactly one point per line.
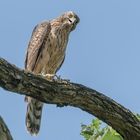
x=56, y=78
x=47, y=76
x=60, y=80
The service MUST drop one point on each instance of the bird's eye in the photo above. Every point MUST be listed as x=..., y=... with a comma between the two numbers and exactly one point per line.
x=70, y=21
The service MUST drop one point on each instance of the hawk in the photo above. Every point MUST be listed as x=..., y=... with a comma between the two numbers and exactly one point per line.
x=45, y=55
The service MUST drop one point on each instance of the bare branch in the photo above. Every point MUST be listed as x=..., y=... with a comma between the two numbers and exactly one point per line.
x=4, y=131
x=76, y=95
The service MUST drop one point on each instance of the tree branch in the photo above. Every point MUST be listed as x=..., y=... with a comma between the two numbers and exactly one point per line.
x=76, y=95
x=4, y=131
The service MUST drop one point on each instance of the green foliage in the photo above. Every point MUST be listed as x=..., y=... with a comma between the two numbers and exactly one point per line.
x=138, y=116
x=94, y=131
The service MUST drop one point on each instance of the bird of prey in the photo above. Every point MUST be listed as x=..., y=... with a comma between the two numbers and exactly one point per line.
x=45, y=55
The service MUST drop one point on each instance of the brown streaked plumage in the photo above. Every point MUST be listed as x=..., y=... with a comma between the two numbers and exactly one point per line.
x=45, y=55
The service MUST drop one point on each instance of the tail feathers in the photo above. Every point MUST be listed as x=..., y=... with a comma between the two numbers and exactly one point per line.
x=33, y=115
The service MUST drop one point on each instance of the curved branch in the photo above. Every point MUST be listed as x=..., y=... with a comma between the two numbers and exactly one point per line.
x=76, y=95
x=4, y=131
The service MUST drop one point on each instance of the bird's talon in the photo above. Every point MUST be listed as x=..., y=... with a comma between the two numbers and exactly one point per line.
x=60, y=80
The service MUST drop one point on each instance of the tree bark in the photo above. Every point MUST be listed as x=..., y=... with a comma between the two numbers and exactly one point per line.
x=72, y=94
x=4, y=131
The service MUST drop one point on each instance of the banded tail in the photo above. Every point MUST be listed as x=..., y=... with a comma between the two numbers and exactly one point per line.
x=33, y=115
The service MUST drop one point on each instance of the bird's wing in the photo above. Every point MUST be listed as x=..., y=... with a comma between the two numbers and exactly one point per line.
x=60, y=64
x=40, y=32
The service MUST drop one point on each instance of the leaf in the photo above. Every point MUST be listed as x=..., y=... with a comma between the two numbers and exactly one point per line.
x=95, y=132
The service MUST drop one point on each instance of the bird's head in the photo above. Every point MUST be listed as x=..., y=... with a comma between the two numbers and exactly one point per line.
x=70, y=19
